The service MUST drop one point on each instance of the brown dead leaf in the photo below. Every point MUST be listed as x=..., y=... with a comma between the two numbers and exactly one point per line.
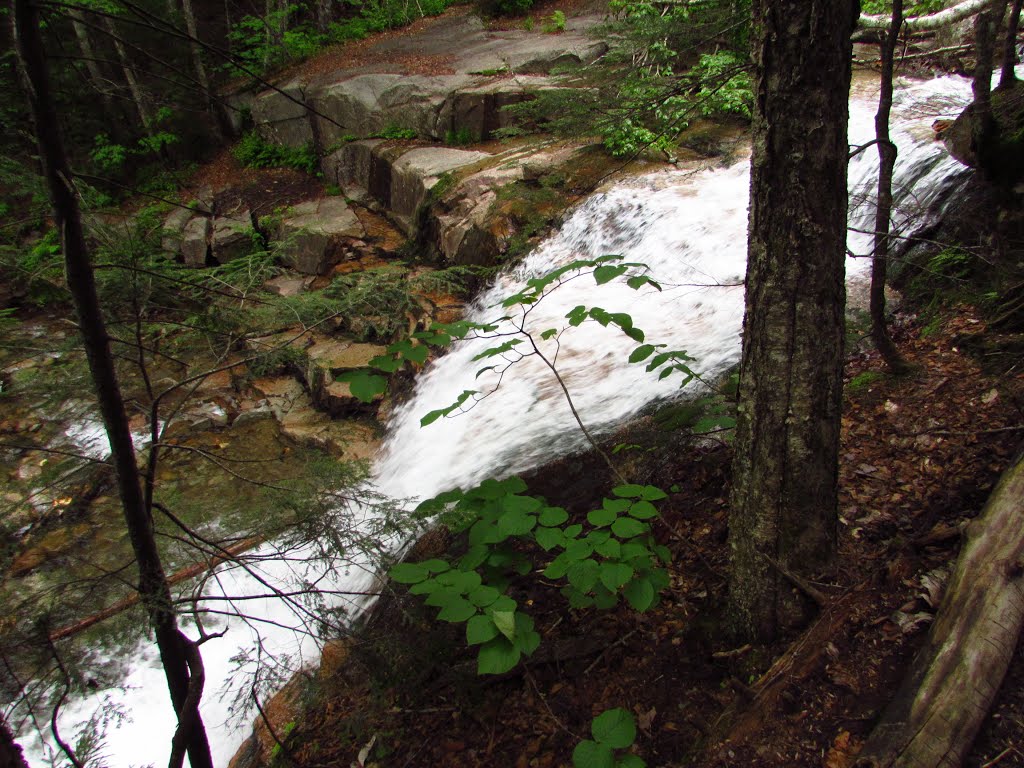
x=844, y=749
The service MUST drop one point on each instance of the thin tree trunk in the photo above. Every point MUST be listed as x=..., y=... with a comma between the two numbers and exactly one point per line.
x=982, y=121
x=220, y=122
x=785, y=475
x=129, y=76
x=1007, y=77
x=153, y=585
x=941, y=704
x=883, y=210
x=10, y=752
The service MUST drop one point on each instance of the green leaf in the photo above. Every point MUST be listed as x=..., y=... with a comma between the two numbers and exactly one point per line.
x=610, y=548
x=548, y=538
x=549, y=333
x=584, y=575
x=638, y=281
x=505, y=621
x=385, y=363
x=604, y=599
x=552, y=516
x=639, y=594
x=527, y=639
x=424, y=587
x=627, y=527
x=442, y=596
x=558, y=567
x=641, y=353
x=600, y=518
x=573, y=531
x=576, y=598
x=615, y=575
x=364, y=386
x=409, y=573
x=617, y=506
x=496, y=657
x=458, y=609
x=653, y=493
x=436, y=565
x=629, y=491
x=664, y=553
x=607, y=273
x=483, y=596
x=433, y=416
x=503, y=603
x=614, y=728
x=474, y=557
x=521, y=504
x=516, y=524
x=417, y=354
x=578, y=550
x=590, y=754
x=480, y=629
x=643, y=510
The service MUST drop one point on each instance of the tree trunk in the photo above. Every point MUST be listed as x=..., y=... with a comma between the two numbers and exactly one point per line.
x=955, y=677
x=153, y=587
x=785, y=474
x=221, y=124
x=92, y=66
x=982, y=121
x=883, y=210
x=10, y=751
x=129, y=76
x=1007, y=77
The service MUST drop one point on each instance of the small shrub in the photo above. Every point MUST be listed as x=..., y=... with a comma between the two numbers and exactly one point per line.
x=554, y=24
x=459, y=137
x=254, y=152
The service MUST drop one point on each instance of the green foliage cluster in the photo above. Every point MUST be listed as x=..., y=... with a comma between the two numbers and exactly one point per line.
x=668, y=66
x=614, y=731
x=554, y=24
x=254, y=151
x=613, y=558
x=505, y=7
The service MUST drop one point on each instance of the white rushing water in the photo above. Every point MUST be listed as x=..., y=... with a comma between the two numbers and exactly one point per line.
x=689, y=228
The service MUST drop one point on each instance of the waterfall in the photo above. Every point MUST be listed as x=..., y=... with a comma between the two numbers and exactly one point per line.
x=688, y=227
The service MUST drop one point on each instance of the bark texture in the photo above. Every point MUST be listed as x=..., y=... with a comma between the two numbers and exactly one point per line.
x=784, y=499
x=153, y=587
x=943, y=701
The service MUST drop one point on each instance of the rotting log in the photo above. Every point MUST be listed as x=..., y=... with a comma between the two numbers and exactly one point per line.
x=939, y=707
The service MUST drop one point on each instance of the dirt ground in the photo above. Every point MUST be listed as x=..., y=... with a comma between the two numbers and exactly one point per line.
x=920, y=455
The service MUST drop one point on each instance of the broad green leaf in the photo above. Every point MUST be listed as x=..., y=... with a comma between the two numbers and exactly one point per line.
x=629, y=491
x=385, y=363
x=474, y=557
x=433, y=416
x=505, y=621
x=627, y=527
x=436, y=565
x=578, y=550
x=642, y=353
x=364, y=386
x=601, y=517
x=552, y=516
x=483, y=596
x=614, y=728
x=522, y=504
x=638, y=281
x=424, y=587
x=664, y=553
x=499, y=350
x=459, y=609
x=409, y=573
x=616, y=505
x=549, y=333
x=590, y=754
x=572, y=531
x=639, y=594
x=597, y=537
x=516, y=524
x=643, y=510
x=610, y=548
x=417, y=354
x=615, y=575
x=584, y=575
x=503, y=603
x=527, y=639
x=557, y=568
x=442, y=596
x=576, y=598
x=653, y=493
x=606, y=273
x=496, y=657
x=480, y=629
x=604, y=599
x=548, y=538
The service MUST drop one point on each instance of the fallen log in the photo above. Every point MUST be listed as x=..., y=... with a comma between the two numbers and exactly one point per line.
x=941, y=704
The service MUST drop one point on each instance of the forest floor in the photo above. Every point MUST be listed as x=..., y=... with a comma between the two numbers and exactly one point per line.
x=920, y=455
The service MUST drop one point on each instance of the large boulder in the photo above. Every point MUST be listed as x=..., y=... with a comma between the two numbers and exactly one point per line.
x=232, y=236
x=195, y=241
x=1003, y=160
x=416, y=172
x=476, y=112
x=311, y=234
x=281, y=116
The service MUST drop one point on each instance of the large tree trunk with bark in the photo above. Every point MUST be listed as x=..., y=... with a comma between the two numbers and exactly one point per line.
x=954, y=679
x=785, y=475
x=176, y=651
x=10, y=752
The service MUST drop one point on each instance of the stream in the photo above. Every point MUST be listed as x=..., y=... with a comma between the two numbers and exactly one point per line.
x=688, y=227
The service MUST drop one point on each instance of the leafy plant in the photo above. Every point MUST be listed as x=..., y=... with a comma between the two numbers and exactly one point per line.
x=393, y=131
x=459, y=137
x=554, y=24
x=614, y=731
x=255, y=152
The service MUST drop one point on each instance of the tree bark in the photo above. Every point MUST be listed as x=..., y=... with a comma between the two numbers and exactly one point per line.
x=955, y=677
x=10, y=752
x=983, y=125
x=129, y=76
x=951, y=15
x=785, y=474
x=153, y=585
x=883, y=209
x=1007, y=77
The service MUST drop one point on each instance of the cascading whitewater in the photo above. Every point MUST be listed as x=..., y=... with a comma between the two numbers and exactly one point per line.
x=689, y=228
